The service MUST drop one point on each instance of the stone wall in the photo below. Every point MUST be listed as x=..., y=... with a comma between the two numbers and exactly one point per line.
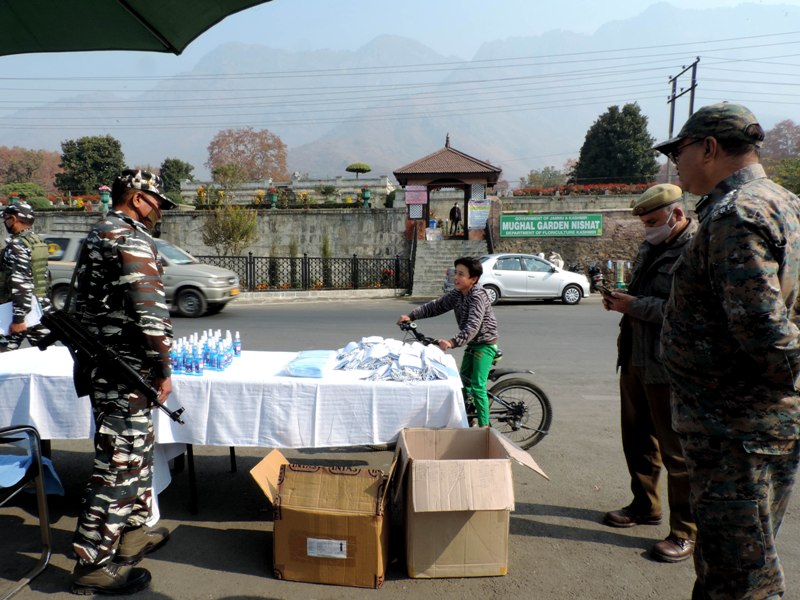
x=382, y=232
x=365, y=232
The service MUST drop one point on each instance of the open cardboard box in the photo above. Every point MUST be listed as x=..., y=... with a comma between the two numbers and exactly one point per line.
x=331, y=523
x=458, y=492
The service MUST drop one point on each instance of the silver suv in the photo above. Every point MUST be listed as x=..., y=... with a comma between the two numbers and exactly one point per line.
x=193, y=288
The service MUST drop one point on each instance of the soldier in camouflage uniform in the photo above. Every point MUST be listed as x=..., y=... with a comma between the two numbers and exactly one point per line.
x=120, y=298
x=23, y=275
x=731, y=345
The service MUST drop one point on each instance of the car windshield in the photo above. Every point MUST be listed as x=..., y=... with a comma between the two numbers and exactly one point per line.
x=174, y=254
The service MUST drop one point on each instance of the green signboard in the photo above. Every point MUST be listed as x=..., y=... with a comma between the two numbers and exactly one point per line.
x=573, y=225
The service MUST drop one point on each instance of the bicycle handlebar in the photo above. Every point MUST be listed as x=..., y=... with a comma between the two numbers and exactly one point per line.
x=411, y=328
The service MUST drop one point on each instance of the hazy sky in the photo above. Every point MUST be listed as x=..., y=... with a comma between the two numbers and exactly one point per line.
x=451, y=27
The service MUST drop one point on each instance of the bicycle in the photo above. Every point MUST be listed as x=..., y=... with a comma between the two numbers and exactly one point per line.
x=518, y=408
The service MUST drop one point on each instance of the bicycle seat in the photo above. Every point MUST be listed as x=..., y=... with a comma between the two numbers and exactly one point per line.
x=497, y=356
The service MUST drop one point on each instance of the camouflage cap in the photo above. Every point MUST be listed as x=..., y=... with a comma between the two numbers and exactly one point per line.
x=722, y=120
x=656, y=197
x=22, y=210
x=142, y=180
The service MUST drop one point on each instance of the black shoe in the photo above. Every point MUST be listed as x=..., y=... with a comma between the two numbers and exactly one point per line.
x=109, y=579
x=625, y=517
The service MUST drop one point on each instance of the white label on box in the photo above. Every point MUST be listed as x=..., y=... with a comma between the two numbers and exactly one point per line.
x=326, y=548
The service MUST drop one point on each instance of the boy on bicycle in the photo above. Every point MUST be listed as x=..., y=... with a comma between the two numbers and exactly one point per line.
x=477, y=329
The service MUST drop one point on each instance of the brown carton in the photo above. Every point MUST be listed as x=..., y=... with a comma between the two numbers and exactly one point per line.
x=458, y=492
x=331, y=523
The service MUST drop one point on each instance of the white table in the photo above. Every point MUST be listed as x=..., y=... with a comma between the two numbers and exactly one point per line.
x=248, y=404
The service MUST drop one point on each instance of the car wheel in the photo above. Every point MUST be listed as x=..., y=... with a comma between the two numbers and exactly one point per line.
x=190, y=303
x=215, y=308
x=571, y=294
x=493, y=293
x=59, y=296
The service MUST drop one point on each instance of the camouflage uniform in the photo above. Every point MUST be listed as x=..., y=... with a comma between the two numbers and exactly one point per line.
x=23, y=276
x=648, y=440
x=731, y=345
x=120, y=298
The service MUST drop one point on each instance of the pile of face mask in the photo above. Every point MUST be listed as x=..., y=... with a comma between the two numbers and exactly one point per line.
x=392, y=360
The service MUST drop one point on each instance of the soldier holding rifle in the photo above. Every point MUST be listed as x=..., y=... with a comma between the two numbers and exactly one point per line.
x=120, y=299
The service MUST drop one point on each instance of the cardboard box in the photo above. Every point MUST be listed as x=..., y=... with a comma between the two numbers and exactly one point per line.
x=458, y=492
x=331, y=523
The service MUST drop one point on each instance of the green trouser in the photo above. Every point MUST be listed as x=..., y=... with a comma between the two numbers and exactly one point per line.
x=475, y=367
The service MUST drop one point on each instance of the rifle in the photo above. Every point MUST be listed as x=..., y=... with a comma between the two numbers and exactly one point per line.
x=68, y=330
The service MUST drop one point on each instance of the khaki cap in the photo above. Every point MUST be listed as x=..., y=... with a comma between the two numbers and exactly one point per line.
x=656, y=197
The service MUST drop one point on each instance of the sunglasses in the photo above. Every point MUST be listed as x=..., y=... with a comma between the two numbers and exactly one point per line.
x=675, y=155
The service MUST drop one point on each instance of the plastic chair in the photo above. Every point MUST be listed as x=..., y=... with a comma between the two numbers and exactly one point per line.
x=21, y=467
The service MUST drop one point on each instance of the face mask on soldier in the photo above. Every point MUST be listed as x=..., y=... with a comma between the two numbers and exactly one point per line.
x=656, y=235
x=152, y=220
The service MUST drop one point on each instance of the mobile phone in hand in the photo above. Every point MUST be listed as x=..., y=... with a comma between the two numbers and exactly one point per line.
x=606, y=291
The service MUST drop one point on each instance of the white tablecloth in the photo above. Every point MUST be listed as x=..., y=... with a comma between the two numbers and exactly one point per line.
x=248, y=404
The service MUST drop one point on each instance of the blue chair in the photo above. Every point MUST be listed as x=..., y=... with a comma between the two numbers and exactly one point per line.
x=21, y=467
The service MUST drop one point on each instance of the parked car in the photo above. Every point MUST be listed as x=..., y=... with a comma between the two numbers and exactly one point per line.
x=192, y=288
x=507, y=276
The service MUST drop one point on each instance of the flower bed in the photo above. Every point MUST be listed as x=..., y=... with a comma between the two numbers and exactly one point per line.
x=590, y=189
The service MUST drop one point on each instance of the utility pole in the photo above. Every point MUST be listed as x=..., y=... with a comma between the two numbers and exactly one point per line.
x=674, y=96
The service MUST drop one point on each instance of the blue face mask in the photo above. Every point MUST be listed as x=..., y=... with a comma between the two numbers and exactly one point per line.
x=657, y=235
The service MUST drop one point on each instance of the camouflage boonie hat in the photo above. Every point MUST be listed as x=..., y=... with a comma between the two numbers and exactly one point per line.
x=656, y=197
x=22, y=210
x=145, y=181
x=722, y=120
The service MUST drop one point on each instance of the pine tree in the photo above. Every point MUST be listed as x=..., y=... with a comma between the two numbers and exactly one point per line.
x=617, y=149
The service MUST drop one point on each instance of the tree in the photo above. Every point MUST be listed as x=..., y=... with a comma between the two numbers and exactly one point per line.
x=230, y=229
x=780, y=143
x=326, y=191
x=34, y=193
x=88, y=163
x=787, y=174
x=229, y=177
x=617, y=149
x=21, y=165
x=258, y=154
x=358, y=168
x=173, y=171
x=547, y=177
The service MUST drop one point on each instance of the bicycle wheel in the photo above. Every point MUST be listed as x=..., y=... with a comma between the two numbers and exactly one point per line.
x=521, y=411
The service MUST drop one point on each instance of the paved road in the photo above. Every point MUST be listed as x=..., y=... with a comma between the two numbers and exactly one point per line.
x=558, y=547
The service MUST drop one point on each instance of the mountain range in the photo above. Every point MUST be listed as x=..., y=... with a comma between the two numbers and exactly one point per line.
x=520, y=103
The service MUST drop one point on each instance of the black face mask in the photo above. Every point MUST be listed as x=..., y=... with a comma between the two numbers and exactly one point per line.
x=156, y=230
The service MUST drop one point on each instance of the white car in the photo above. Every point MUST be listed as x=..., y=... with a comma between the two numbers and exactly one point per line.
x=526, y=276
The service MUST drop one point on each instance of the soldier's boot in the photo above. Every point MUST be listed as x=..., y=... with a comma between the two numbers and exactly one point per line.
x=135, y=543
x=110, y=579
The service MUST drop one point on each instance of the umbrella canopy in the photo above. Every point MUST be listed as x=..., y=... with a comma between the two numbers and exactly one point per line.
x=75, y=25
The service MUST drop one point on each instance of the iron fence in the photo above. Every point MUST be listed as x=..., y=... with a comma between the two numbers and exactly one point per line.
x=284, y=273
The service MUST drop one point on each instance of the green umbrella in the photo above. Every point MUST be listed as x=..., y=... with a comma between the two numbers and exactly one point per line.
x=75, y=25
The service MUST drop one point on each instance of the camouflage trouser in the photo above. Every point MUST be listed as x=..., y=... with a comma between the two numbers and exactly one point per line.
x=13, y=342
x=119, y=494
x=740, y=491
